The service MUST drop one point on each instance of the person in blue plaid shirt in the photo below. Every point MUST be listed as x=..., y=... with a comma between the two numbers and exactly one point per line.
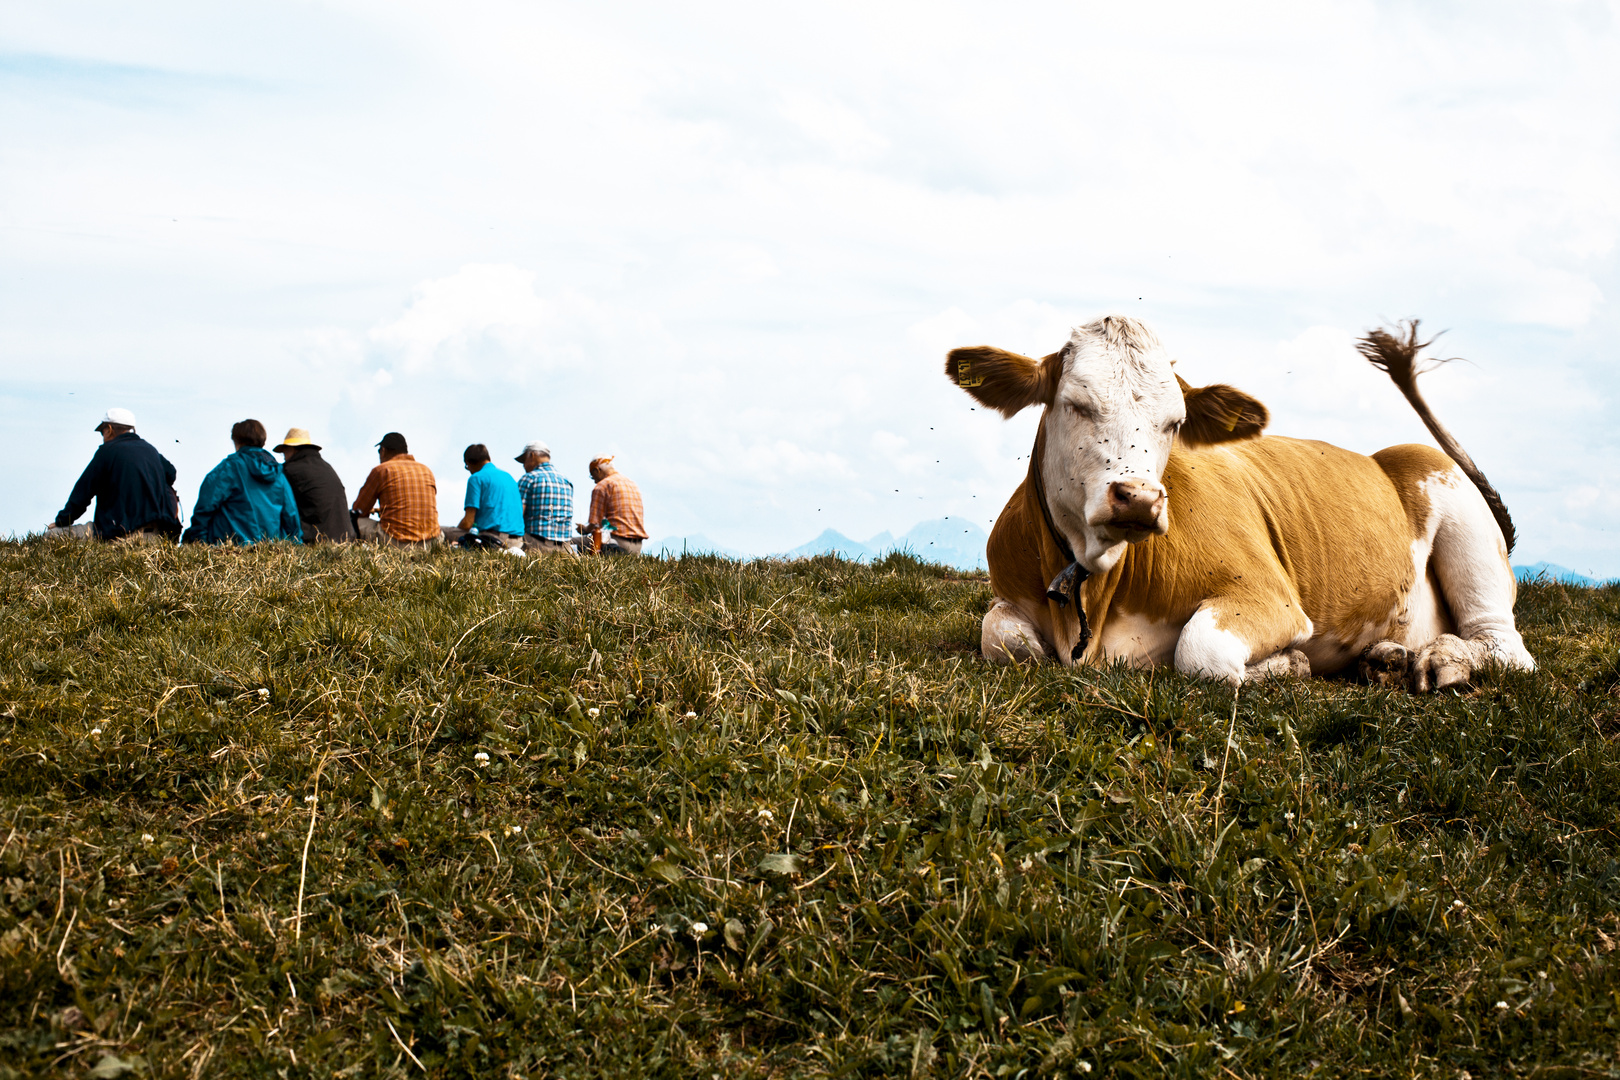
x=548, y=502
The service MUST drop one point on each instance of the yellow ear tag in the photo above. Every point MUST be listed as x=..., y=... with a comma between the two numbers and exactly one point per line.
x=962, y=377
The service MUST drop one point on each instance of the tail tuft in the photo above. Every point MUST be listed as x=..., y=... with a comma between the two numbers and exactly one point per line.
x=1395, y=351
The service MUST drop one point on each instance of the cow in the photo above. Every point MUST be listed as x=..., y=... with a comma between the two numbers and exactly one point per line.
x=1284, y=556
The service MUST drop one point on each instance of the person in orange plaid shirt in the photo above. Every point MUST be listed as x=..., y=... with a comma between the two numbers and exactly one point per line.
x=405, y=494
x=616, y=500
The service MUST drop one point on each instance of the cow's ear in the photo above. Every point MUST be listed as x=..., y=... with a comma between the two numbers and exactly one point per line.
x=1220, y=413
x=1004, y=380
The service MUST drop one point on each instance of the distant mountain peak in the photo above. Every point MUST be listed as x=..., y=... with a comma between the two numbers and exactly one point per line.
x=1554, y=572
x=950, y=541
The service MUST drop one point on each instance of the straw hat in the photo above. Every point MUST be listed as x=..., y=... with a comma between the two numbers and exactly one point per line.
x=296, y=437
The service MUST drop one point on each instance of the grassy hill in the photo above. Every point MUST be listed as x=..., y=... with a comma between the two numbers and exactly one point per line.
x=285, y=812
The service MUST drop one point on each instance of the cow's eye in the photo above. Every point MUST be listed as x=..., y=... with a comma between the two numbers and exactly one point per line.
x=1173, y=426
x=1081, y=410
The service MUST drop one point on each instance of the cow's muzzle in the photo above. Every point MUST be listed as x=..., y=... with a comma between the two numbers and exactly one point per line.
x=1136, y=509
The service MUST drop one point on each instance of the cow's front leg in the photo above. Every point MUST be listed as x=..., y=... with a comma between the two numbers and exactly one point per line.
x=1008, y=636
x=1247, y=636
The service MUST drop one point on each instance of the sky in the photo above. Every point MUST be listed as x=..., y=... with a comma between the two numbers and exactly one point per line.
x=731, y=243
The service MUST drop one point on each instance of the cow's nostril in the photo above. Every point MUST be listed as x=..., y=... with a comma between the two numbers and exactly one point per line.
x=1134, y=501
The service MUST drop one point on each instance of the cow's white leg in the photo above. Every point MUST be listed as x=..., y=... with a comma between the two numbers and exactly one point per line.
x=1007, y=636
x=1207, y=650
x=1471, y=563
x=1254, y=634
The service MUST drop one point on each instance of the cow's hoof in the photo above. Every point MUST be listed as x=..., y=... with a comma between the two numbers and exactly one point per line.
x=1446, y=663
x=1386, y=663
x=1290, y=663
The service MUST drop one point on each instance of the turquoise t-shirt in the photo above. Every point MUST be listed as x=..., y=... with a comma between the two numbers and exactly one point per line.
x=494, y=494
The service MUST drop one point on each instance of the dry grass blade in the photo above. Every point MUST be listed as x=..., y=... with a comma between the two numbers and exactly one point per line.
x=303, y=860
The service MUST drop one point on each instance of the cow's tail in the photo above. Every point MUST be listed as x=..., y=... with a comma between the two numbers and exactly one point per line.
x=1396, y=353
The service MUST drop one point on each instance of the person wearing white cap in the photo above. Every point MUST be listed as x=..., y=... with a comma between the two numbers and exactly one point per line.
x=548, y=502
x=132, y=485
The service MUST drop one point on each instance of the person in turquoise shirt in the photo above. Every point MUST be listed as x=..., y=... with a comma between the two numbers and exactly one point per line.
x=493, y=505
x=245, y=498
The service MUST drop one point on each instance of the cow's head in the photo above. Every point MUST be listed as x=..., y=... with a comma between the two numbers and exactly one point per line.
x=1114, y=408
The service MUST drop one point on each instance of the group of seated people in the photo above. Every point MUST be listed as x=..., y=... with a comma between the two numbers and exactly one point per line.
x=250, y=497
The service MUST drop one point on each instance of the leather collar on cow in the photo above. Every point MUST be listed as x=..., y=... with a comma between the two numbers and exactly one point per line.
x=1065, y=588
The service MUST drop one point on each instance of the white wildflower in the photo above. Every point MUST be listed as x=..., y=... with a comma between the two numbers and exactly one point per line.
x=146, y=838
x=1458, y=904
x=95, y=731
x=764, y=816
x=593, y=713
x=699, y=929
x=482, y=759
x=1501, y=1005
x=309, y=798
x=1288, y=816
x=1026, y=864
x=513, y=830
x=263, y=692
x=690, y=715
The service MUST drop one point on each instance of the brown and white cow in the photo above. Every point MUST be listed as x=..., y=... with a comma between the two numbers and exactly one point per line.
x=1157, y=525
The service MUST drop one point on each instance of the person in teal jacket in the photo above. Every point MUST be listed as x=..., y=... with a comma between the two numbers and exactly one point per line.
x=245, y=498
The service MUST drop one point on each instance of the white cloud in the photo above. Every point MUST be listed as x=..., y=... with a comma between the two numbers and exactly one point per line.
x=834, y=124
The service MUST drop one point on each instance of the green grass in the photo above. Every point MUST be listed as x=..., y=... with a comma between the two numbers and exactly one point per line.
x=908, y=862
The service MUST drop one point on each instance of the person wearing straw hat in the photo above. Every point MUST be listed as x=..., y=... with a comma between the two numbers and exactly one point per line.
x=616, y=503
x=323, y=505
x=131, y=483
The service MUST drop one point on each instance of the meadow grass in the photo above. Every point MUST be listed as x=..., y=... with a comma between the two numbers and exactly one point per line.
x=357, y=812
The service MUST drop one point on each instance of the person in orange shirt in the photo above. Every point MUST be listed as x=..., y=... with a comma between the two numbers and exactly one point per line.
x=616, y=500
x=406, y=497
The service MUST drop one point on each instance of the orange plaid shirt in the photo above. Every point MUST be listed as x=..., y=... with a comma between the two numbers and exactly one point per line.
x=406, y=497
x=617, y=499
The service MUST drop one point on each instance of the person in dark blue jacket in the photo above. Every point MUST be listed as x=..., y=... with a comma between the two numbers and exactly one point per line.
x=245, y=498
x=132, y=484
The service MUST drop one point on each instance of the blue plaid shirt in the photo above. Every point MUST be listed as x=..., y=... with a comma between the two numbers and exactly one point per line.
x=548, y=503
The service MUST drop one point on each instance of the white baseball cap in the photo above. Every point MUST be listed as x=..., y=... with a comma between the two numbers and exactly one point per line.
x=117, y=416
x=536, y=447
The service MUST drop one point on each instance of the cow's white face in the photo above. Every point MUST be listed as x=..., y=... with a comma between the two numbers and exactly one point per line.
x=1112, y=420
x=1114, y=409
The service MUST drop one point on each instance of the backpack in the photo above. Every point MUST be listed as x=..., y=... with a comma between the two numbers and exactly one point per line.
x=479, y=542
